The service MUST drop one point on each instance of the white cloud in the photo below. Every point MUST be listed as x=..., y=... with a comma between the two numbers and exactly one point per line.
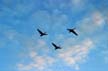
x=76, y=54
x=38, y=62
x=33, y=54
x=37, y=54
x=22, y=67
x=91, y=23
x=97, y=18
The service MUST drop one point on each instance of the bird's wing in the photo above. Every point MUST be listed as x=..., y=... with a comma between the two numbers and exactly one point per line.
x=75, y=32
x=39, y=31
x=54, y=45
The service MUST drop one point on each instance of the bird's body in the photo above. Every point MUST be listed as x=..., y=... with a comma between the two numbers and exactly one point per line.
x=41, y=33
x=72, y=31
x=56, y=47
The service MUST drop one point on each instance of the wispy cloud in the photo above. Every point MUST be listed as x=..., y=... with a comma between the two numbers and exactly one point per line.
x=98, y=18
x=91, y=23
x=22, y=67
x=38, y=62
x=76, y=54
x=72, y=56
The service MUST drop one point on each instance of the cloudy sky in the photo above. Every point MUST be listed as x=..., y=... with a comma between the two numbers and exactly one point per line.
x=22, y=48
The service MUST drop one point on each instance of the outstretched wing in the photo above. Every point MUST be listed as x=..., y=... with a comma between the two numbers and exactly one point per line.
x=75, y=33
x=54, y=45
x=39, y=31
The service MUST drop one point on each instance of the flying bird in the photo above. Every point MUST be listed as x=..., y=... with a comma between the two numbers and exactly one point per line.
x=56, y=47
x=41, y=33
x=73, y=31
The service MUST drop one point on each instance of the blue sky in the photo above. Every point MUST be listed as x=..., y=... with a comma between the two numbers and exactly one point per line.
x=22, y=49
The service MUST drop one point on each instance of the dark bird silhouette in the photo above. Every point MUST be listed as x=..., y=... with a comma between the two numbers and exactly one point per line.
x=41, y=33
x=56, y=47
x=72, y=31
